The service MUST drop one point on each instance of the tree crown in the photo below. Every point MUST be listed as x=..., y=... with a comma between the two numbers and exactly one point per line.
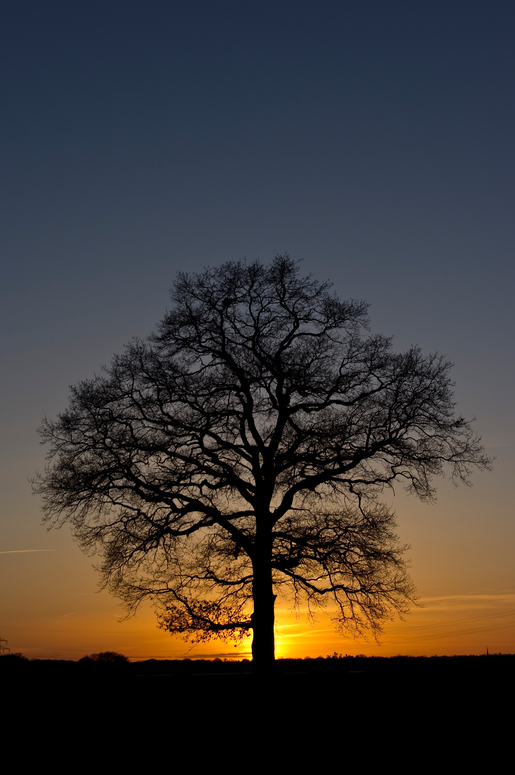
x=255, y=429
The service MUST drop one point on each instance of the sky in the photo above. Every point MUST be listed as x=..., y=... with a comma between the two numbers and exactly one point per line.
x=371, y=140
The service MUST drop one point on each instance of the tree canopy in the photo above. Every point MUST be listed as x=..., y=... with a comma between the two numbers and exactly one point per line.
x=241, y=451
x=110, y=657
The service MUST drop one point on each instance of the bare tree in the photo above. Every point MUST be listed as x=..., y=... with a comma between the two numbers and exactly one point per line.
x=241, y=451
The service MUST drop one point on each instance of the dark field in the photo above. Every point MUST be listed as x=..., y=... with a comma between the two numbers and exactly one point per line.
x=391, y=680
x=323, y=712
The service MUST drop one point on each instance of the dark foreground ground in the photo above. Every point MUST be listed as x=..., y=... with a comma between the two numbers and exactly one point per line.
x=480, y=671
x=351, y=680
x=321, y=712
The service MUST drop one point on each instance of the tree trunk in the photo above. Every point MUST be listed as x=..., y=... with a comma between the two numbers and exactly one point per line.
x=263, y=641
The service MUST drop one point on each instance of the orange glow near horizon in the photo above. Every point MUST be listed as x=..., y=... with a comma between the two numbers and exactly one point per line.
x=50, y=610
x=445, y=626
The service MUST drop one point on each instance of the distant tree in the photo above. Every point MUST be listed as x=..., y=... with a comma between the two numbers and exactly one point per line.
x=113, y=657
x=241, y=450
x=11, y=658
x=12, y=663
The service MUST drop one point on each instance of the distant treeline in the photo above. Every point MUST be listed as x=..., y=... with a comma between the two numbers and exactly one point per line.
x=112, y=663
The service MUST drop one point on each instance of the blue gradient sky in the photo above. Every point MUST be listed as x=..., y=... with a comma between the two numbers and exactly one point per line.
x=374, y=140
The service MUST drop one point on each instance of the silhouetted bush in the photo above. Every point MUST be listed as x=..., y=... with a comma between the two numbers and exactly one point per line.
x=112, y=657
x=13, y=658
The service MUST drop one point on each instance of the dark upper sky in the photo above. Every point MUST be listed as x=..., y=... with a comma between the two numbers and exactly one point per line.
x=373, y=139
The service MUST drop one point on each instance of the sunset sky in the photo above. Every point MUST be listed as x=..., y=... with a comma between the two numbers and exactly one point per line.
x=374, y=140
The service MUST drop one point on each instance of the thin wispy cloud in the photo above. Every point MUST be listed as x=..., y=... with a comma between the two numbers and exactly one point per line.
x=460, y=601
x=26, y=551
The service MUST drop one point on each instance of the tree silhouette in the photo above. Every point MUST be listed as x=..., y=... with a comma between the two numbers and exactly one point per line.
x=111, y=657
x=241, y=450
